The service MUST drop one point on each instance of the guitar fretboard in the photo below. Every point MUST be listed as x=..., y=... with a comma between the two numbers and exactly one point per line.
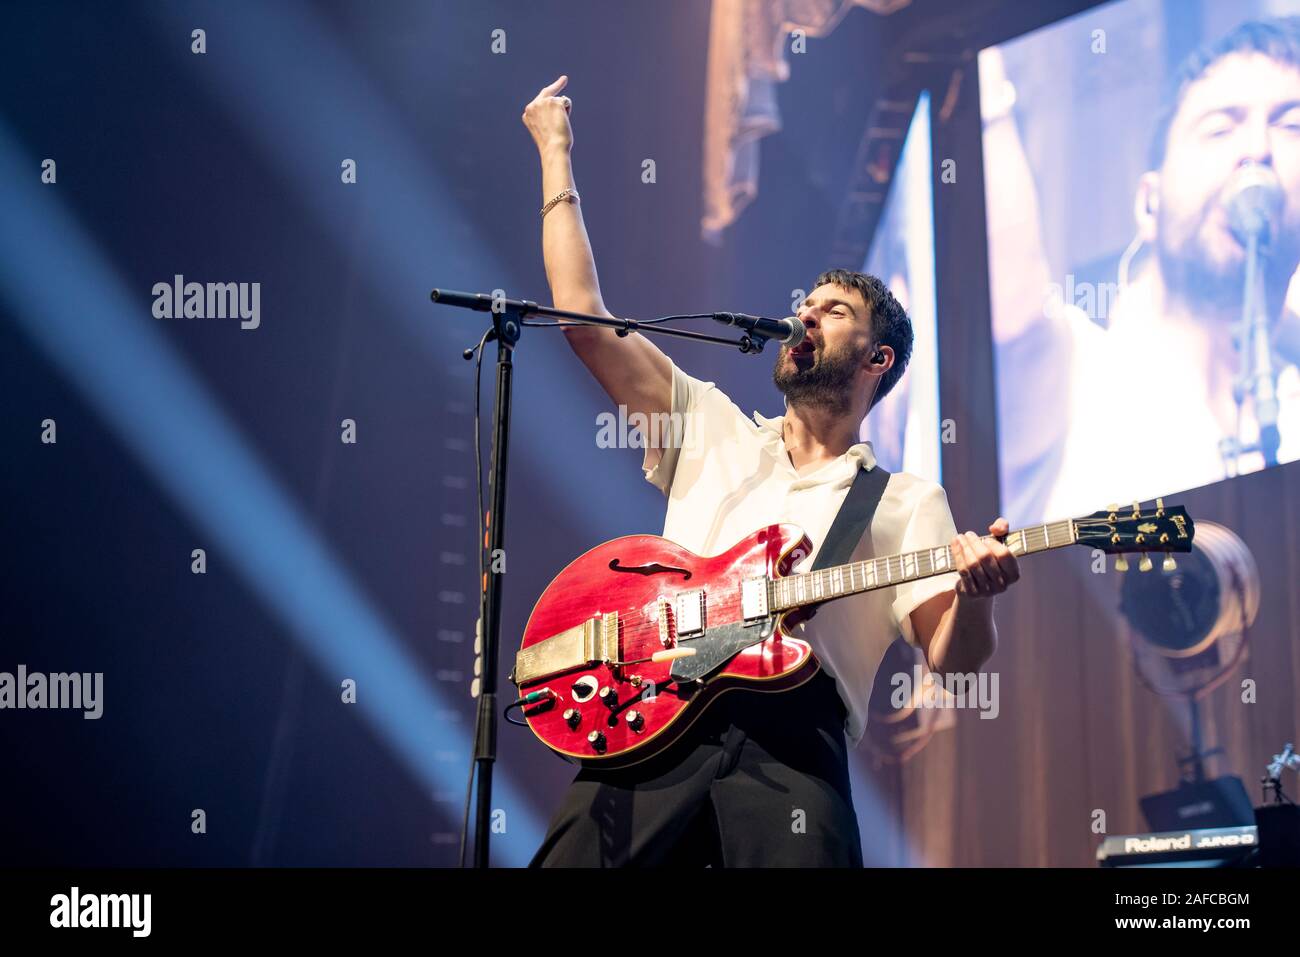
x=840, y=580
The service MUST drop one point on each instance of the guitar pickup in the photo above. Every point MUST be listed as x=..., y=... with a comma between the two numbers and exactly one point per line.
x=689, y=612
x=753, y=599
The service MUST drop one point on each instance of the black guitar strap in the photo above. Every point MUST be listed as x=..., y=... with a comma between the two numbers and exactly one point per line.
x=853, y=519
x=851, y=522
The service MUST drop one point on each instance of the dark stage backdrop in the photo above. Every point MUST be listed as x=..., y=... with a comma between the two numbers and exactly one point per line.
x=308, y=691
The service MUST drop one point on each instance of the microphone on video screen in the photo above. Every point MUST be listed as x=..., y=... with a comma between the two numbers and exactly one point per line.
x=1254, y=202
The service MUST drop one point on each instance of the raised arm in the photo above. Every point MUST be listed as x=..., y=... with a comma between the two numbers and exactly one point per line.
x=1019, y=273
x=1034, y=339
x=631, y=369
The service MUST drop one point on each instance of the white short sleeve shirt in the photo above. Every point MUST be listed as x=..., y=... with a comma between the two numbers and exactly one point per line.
x=1133, y=444
x=727, y=475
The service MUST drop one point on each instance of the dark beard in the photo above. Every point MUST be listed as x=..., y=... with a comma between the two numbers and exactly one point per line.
x=826, y=384
x=1202, y=287
x=1199, y=285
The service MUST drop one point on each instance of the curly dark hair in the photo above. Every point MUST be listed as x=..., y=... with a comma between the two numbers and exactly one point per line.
x=890, y=324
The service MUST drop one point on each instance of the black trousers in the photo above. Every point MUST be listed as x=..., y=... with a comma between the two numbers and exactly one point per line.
x=760, y=780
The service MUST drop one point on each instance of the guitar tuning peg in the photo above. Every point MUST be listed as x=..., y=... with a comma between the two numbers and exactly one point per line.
x=1112, y=508
x=1121, y=563
x=1144, y=565
x=1168, y=564
x=1160, y=508
x=1137, y=510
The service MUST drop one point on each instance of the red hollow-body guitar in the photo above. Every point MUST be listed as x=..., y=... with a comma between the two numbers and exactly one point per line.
x=632, y=641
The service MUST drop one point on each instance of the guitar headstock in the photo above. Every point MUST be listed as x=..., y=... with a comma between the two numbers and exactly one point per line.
x=1118, y=530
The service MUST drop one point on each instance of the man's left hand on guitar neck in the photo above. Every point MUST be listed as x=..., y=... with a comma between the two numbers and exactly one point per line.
x=956, y=629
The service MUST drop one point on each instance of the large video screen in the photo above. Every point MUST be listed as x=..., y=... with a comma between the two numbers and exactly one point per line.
x=904, y=428
x=1142, y=177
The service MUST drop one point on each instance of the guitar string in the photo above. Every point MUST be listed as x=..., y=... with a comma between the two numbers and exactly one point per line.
x=643, y=639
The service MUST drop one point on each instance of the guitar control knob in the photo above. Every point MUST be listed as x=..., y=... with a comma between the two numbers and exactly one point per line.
x=609, y=696
x=572, y=717
x=636, y=720
x=597, y=741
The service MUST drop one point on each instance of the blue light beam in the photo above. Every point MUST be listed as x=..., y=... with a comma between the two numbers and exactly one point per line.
x=68, y=299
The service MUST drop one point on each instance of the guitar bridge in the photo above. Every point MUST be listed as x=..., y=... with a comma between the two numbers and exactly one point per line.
x=595, y=641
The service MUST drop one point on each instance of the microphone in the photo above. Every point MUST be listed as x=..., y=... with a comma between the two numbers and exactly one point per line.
x=788, y=331
x=1253, y=201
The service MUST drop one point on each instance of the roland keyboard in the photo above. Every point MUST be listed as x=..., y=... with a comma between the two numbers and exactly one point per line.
x=1204, y=847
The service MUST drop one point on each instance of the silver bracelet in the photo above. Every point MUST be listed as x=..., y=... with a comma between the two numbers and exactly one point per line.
x=562, y=194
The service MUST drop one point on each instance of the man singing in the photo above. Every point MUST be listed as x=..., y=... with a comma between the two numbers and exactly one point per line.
x=727, y=792
x=1085, y=418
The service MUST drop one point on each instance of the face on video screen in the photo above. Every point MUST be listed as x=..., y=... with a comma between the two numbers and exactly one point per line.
x=1121, y=168
x=1246, y=107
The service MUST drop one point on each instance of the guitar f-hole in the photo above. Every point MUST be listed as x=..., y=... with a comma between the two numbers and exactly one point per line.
x=654, y=568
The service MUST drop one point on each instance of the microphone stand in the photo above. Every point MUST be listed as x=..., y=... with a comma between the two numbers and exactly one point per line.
x=508, y=317
x=1256, y=376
